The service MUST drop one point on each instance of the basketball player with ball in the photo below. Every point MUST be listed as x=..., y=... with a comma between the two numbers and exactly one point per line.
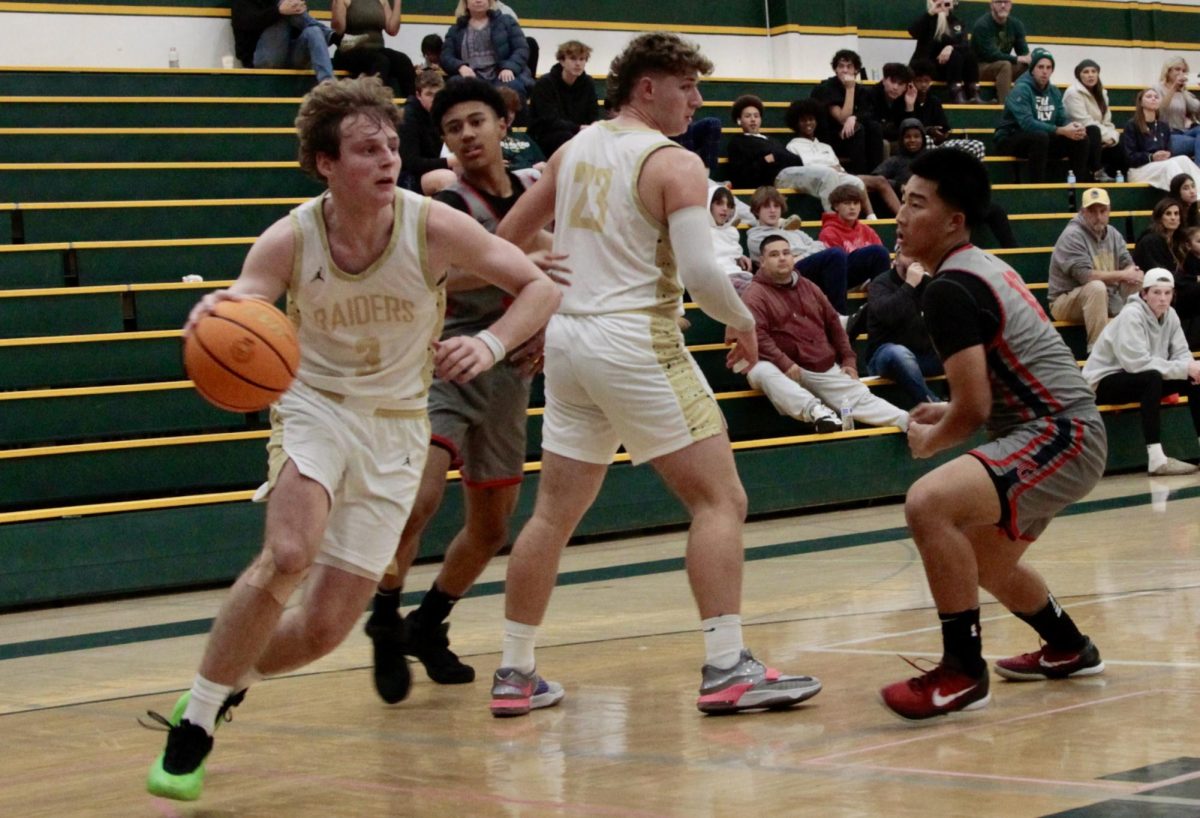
x=364, y=266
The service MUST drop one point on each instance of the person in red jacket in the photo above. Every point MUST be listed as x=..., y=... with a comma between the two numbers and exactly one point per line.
x=842, y=228
x=805, y=361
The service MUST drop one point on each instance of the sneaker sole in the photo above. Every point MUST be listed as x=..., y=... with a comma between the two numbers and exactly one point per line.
x=505, y=708
x=164, y=785
x=978, y=704
x=1017, y=676
x=749, y=699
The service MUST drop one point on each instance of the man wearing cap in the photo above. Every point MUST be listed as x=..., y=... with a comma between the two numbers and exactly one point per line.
x=1091, y=271
x=1143, y=355
x=998, y=40
x=1034, y=123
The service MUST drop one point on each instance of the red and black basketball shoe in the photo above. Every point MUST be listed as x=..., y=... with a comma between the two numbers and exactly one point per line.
x=936, y=692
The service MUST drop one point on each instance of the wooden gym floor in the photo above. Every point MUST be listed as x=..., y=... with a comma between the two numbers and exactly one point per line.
x=838, y=595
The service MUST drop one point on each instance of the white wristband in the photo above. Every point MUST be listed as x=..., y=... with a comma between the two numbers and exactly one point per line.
x=494, y=344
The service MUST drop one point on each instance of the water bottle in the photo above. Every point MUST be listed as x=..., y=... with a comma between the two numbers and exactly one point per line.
x=1070, y=177
x=847, y=416
x=173, y=57
x=1120, y=177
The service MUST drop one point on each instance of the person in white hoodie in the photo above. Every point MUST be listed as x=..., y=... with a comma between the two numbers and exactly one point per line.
x=1141, y=356
x=722, y=208
x=1086, y=102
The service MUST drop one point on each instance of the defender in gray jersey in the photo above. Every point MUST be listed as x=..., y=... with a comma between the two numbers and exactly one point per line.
x=973, y=517
x=477, y=427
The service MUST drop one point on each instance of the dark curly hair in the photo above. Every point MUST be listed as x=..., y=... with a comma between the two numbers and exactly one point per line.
x=801, y=108
x=466, y=89
x=742, y=103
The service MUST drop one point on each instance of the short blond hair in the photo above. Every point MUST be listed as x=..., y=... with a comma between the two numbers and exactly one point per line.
x=461, y=9
x=326, y=107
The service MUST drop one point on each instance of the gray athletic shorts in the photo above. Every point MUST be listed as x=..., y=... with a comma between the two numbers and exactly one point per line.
x=482, y=425
x=1041, y=467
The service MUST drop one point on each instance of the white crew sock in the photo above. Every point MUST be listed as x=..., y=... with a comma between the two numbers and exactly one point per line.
x=207, y=698
x=248, y=678
x=517, y=649
x=1156, y=456
x=722, y=640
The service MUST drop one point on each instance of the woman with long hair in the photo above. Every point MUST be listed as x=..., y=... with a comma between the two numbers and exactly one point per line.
x=1162, y=244
x=1183, y=187
x=1180, y=108
x=942, y=38
x=1086, y=102
x=1146, y=142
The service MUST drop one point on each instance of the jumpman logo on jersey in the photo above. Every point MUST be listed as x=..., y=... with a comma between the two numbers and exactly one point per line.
x=319, y=276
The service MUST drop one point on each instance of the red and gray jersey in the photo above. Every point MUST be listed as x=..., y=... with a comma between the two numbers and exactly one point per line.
x=1032, y=372
x=470, y=311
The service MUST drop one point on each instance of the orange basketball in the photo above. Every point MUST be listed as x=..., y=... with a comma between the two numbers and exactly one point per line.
x=242, y=356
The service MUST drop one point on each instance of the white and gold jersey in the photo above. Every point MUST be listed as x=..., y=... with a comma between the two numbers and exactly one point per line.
x=621, y=256
x=367, y=335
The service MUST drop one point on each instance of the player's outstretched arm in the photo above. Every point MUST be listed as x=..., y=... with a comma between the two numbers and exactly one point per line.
x=969, y=406
x=533, y=211
x=456, y=239
x=265, y=273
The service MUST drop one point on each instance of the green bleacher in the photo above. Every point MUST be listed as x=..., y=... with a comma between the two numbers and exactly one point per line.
x=116, y=477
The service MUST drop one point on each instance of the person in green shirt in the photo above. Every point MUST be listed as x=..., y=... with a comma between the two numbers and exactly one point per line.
x=998, y=40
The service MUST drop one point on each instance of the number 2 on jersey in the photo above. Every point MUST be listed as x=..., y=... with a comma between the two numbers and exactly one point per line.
x=368, y=348
x=591, y=211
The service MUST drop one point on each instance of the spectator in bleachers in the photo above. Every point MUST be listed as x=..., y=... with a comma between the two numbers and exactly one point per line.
x=563, y=100
x=1034, y=124
x=362, y=51
x=703, y=138
x=942, y=38
x=898, y=345
x=486, y=43
x=805, y=361
x=830, y=268
x=431, y=52
x=847, y=123
x=756, y=160
x=422, y=166
x=280, y=34
x=722, y=207
x=518, y=149
x=1183, y=188
x=1161, y=244
x=1086, y=102
x=1146, y=142
x=998, y=40
x=922, y=105
x=913, y=143
x=1187, y=286
x=1091, y=271
x=842, y=228
x=1141, y=357
x=885, y=99
x=821, y=160
x=1180, y=108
